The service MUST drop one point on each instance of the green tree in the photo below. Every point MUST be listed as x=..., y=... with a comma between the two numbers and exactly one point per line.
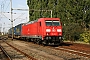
x=72, y=31
x=74, y=14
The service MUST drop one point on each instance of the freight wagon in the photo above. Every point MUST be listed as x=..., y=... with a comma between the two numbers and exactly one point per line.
x=10, y=32
x=18, y=31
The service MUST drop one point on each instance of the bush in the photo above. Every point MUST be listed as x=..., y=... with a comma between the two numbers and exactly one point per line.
x=72, y=31
x=85, y=37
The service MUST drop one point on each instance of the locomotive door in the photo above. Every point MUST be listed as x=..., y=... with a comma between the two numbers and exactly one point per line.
x=39, y=29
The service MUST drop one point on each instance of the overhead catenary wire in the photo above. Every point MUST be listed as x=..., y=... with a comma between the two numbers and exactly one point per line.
x=3, y=3
x=19, y=16
x=2, y=8
x=7, y=6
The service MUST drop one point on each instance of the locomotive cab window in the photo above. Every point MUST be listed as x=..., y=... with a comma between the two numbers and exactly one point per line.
x=52, y=23
x=48, y=23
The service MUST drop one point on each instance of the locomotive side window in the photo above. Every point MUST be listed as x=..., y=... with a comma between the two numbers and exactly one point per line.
x=52, y=23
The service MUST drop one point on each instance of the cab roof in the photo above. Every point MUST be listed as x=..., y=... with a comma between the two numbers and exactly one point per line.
x=48, y=19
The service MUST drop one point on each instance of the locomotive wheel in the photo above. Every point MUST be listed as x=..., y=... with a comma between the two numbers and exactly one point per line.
x=38, y=41
x=44, y=42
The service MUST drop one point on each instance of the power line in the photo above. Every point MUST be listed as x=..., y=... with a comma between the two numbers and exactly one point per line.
x=2, y=7
x=3, y=3
x=7, y=6
x=34, y=10
x=19, y=16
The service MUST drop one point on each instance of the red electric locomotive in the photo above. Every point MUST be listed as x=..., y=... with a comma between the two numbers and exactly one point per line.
x=44, y=30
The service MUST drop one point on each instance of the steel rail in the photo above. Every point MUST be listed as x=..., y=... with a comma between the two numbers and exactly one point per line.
x=74, y=52
x=32, y=58
x=6, y=54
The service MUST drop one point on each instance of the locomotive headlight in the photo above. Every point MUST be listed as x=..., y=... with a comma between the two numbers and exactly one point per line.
x=48, y=30
x=59, y=30
x=59, y=37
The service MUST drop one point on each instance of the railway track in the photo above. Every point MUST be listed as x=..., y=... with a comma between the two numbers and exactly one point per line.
x=25, y=55
x=71, y=51
x=5, y=53
x=83, y=54
x=59, y=51
x=59, y=48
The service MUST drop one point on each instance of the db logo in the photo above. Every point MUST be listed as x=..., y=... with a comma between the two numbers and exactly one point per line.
x=53, y=30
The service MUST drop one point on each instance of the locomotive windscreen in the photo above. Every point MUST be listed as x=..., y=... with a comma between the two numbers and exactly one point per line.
x=52, y=23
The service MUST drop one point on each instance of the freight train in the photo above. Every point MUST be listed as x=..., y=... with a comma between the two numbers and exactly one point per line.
x=47, y=31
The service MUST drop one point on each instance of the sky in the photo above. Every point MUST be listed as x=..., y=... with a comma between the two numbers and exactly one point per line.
x=19, y=16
